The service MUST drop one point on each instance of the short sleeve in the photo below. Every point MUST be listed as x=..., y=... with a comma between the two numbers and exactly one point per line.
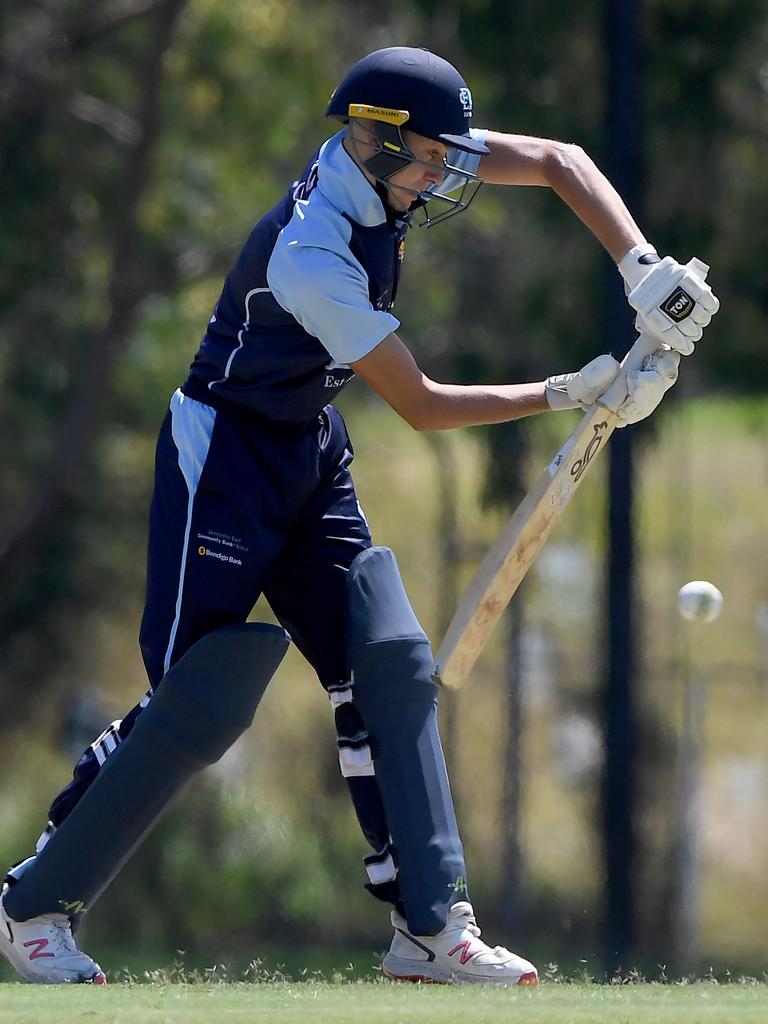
x=328, y=295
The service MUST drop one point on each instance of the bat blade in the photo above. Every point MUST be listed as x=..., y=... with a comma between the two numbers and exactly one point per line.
x=512, y=554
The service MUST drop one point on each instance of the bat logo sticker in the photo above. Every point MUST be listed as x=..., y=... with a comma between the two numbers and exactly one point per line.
x=590, y=451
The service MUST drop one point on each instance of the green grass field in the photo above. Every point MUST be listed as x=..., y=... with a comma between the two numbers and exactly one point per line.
x=311, y=1002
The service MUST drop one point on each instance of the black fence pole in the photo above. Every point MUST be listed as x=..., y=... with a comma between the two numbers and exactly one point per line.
x=622, y=158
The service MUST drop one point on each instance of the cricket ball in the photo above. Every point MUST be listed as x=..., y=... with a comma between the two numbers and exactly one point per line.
x=699, y=601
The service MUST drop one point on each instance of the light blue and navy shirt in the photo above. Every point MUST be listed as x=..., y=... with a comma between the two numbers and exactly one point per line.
x=311, y=291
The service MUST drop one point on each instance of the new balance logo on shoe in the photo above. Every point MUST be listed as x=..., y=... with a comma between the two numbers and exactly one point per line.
x=40, y=945
x=465, y=952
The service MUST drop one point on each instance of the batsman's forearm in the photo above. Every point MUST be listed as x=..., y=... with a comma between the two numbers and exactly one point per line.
x=565, y=168
x=391, y=370
x=574, y=176
x=445, y=406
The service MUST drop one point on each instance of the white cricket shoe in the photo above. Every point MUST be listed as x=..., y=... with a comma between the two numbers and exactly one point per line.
x=455, y=955
x=43, y=951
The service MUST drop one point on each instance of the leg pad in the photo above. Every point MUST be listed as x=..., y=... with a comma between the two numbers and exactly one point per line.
x=204, y=703
x=391, y=662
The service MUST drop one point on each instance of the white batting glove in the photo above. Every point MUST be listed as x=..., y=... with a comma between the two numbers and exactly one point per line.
x=647, y=386
x=581, y=389
x=673, y=302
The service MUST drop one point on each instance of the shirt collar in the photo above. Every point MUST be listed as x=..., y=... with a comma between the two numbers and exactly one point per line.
x=345, y=186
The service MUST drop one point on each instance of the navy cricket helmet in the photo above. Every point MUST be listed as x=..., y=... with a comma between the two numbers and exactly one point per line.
x=408, y=87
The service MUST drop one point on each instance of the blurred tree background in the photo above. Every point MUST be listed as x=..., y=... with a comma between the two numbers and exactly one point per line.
x=140, y=141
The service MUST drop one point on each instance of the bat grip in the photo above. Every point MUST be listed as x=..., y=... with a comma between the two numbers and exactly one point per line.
x=633, y=360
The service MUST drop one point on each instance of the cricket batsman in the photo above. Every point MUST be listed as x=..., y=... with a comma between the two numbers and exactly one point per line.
x=253, y=495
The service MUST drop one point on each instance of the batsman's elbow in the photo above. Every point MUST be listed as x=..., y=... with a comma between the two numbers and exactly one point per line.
x=417, y=418
x=421, y=405
x=430, y=407
x=564, y=160
x=430, y=416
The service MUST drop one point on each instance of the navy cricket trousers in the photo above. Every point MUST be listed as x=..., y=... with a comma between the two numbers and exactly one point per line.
x=242, y=508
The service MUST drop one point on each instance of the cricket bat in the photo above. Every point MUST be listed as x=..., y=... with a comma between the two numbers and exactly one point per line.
x=512, y=554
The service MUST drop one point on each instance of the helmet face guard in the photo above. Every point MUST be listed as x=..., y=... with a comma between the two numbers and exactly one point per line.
x=393, y=155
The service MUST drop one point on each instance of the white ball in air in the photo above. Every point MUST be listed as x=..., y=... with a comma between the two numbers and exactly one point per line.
x=699, y=601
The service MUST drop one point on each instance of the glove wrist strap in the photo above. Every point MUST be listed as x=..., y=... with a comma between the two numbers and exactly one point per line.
x=634, y=265
x=556, y=391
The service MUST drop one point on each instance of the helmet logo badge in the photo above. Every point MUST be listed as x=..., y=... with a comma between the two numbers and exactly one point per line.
x=465, y=98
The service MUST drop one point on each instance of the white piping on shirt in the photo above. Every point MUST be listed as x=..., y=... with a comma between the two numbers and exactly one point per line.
x=246, y=324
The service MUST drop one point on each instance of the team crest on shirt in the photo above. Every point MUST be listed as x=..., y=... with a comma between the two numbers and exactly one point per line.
x=465, y=98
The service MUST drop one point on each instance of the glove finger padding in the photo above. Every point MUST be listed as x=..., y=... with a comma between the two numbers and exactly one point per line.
x=592, y=380
x=684, y=346
x=666, y=362
x=646, y=387
x=701, y=316
x=674, y=303
x=583, y=388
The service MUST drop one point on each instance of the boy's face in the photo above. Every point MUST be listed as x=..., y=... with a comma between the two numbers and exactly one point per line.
x=428, y=169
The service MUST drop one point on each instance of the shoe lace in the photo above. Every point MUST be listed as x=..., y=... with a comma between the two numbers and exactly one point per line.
x=502, y=951
x=474, y=929
x=62, y=939
x=472, y=926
